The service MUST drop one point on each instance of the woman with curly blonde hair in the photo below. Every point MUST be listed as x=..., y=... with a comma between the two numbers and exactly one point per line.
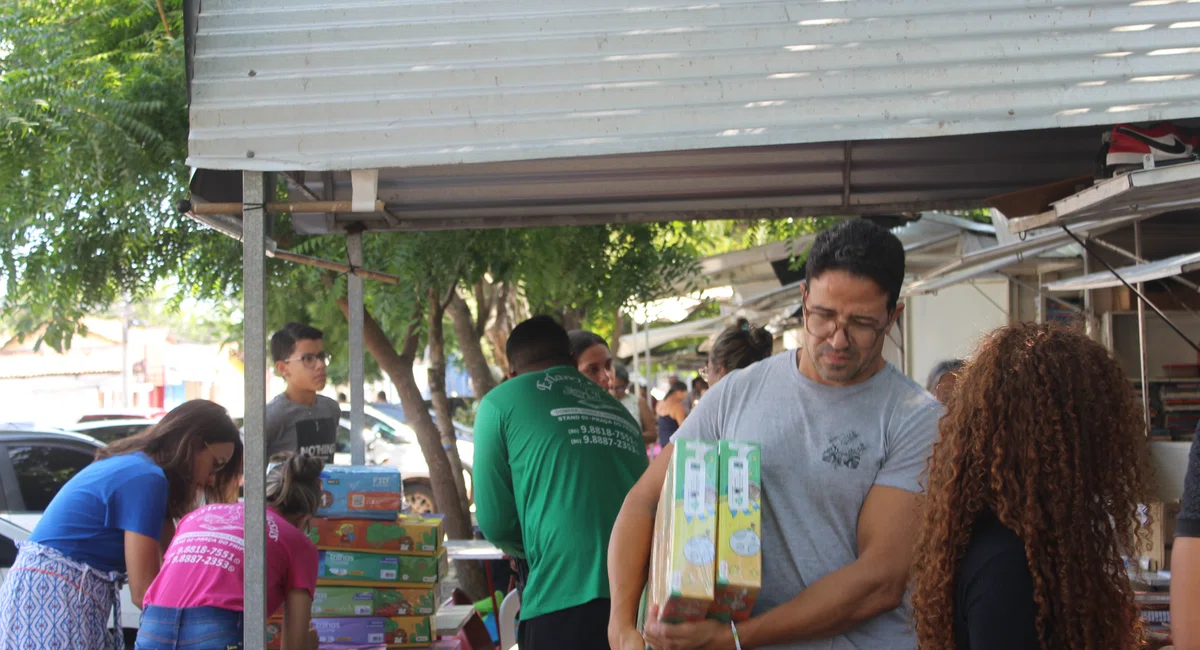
x=1032, y=500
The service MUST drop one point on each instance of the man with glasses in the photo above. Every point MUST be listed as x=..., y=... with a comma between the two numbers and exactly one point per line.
x=844, y=440
x=299, y=420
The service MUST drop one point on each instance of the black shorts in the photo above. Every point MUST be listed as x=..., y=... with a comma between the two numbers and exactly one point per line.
x=583, y=627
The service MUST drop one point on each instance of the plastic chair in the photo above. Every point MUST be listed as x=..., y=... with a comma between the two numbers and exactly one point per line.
x=508, y=620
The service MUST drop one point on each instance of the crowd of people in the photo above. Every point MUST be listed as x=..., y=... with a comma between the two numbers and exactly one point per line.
x=993, y=508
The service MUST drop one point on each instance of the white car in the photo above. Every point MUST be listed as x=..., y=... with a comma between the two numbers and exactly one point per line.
x=34, y=465
x=392, y=442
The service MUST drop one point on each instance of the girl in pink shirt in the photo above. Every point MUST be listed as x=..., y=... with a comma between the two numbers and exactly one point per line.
x=196, y=601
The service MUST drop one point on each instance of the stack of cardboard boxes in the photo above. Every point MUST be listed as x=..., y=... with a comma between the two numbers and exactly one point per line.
x=706, y=559
x=379, y=574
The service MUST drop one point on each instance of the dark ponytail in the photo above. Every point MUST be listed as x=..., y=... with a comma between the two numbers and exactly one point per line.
x=740, y=345
x=294, y=484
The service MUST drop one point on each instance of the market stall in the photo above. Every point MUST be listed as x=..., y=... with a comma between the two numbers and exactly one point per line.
x=403, y=116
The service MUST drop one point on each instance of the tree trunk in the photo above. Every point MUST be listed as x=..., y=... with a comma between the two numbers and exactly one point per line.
x=572, y=318
x=503, y=321
x=399, y=368
x=437, y=392
x=469, y=332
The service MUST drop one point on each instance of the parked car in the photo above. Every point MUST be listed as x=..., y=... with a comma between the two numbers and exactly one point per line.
x=124, y=414
x=108, y=431
x=34, y=465
x=392, y=442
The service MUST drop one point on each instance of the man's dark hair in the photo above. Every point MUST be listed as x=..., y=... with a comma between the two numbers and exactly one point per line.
x=621, y=373
x=860, y=247
x=539, y=341
x=283, y=342
x=677, y=387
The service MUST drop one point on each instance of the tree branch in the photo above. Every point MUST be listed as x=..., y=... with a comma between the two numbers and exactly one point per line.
x=162, y=13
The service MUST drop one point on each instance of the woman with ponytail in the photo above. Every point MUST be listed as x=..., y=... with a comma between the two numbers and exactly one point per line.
x=196, y=601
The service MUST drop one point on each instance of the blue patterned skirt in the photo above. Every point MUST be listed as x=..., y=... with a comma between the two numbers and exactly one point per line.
x=50, y=602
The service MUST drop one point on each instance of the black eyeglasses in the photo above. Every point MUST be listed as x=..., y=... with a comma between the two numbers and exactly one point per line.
x=824, y=325
x=310, y=360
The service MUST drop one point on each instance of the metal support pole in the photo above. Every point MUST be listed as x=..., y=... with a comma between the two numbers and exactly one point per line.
x=1141, y=315
x=637, y=389
x=354, y=283
x=1089, y=313
x=1039, y=304
x=647, y=324
x=254, y=293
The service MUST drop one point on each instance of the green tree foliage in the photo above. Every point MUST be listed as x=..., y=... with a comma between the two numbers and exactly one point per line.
x=93, y=135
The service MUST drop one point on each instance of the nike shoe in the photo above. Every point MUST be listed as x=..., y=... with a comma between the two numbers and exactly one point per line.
x=1128, y=145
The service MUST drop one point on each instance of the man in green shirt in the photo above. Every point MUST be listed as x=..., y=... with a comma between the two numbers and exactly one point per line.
x=555, y=455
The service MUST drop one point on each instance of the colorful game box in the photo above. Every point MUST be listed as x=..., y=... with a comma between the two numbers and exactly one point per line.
x=274, y=633
x=351, y=568
x=414, y=534
x=681, y=563
x=333, y=602
x=398, y=632
x=363, y=491
x=739, y=526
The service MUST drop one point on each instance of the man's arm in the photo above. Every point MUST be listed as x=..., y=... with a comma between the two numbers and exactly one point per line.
x=865, y=588
x=495, y=500
x=629, y=554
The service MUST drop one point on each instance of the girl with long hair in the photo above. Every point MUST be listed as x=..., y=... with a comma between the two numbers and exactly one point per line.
x=592, y=357
x=1033, y=492
x=109, y=524
x=197, y=600
x=737, y=346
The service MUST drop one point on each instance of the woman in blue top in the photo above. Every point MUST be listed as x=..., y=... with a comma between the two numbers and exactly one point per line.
x=110, y=523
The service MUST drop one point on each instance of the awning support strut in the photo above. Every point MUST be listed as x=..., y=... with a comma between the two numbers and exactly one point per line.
x=1137, y=293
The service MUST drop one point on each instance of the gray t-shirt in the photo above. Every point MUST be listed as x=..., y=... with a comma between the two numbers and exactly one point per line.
x=298, y=428
x=823, y=448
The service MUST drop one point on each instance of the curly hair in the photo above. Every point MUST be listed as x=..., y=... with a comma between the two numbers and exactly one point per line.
x=1044, y=431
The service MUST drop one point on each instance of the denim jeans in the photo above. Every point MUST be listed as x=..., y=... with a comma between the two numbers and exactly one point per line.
x=192, y=628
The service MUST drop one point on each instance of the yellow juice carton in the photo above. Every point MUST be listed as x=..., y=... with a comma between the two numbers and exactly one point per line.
x=681, y=564
x=739, y=526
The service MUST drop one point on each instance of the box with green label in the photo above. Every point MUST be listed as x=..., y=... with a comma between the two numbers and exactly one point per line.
x=685, y=533
x=364, y=601
x=353, y=568
x=739, y=530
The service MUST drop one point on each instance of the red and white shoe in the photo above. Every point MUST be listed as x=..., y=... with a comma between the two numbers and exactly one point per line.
x=1129, y=145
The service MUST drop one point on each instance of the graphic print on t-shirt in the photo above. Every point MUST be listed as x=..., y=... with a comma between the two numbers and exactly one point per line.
x=845, y=451
x=317, y=438
x=595, y=420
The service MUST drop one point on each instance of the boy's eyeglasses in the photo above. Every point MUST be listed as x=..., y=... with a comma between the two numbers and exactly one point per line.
x=310, y=360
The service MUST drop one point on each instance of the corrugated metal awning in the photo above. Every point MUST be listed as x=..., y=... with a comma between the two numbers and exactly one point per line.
x=1176, y=187
x=988, y=260
x=509, y=112
x=1147, y=272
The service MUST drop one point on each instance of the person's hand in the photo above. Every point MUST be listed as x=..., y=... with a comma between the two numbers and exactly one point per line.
x=627, y=639
x=314, y=639
x=701, y=635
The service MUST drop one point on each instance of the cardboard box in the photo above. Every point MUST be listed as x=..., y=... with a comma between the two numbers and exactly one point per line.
x=334, y=602
x=408, y=631
x=351, y=568
x=739, y=527
x=274, y=633
x=363, y=491
x=398, y=632
x=682, y=561
x=351, y=631
x=412, y=534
